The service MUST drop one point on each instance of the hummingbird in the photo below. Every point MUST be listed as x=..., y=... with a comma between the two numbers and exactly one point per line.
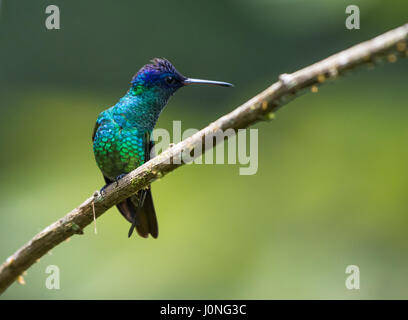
x=122, y=135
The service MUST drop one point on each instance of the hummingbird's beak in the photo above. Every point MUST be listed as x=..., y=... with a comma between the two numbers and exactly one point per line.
x=200, y=81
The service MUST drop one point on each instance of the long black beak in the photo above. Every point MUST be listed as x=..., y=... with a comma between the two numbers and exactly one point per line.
x=200, y=81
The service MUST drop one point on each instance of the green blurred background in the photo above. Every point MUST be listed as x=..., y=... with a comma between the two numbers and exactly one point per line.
x=331, y=187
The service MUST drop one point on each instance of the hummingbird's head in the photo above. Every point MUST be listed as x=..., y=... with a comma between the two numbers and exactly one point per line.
x=162, y=75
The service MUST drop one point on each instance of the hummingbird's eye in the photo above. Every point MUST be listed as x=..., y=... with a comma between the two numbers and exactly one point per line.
x=170, y=80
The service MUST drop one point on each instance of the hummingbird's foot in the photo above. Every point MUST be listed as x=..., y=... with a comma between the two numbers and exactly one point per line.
x=98, y=193
x=102, y=190
x=119, y=177
x=110, y=182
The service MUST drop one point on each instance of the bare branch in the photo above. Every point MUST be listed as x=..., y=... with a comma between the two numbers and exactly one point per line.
x=389, y=46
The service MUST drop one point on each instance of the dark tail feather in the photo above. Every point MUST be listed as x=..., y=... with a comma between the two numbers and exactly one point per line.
x=140, y=213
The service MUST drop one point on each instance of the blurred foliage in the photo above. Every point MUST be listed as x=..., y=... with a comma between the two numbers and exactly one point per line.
x=331, y=185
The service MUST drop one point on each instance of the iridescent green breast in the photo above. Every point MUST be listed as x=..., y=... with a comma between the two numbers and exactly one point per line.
x=118, y=148
x=120, y=133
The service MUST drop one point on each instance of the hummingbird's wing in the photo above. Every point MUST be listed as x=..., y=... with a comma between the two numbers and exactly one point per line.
x=95, y=129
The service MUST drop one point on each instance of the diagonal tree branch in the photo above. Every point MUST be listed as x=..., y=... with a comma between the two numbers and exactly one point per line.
x=389, y=46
